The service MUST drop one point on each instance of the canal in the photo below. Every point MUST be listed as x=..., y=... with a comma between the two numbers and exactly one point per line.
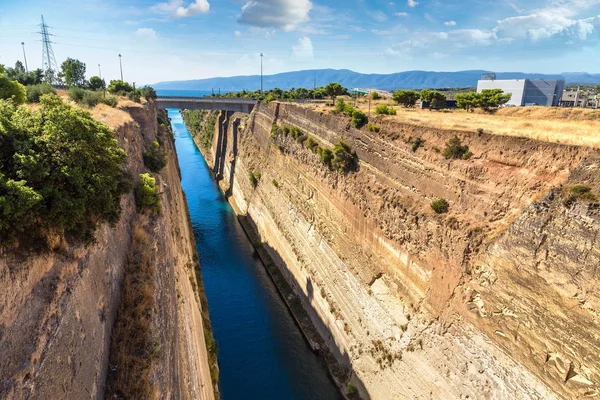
x=262, y=354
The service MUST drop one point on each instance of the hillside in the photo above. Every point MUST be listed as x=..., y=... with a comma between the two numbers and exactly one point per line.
x=400, y=80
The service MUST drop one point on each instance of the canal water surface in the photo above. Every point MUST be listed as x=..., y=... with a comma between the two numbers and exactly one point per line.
x=262, y=354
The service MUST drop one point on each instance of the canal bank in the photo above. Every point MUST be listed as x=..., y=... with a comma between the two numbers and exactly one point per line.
x=262, y=353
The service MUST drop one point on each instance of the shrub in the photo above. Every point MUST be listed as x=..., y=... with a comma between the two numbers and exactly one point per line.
x=468, y=154
x=10, y=89
x=135, y=96
x=436, y=149
x=59, y=170
x=119, y=86
x=384, y=109
x=351, y=390
x=275, y=183
x=340, y=106
x=375, y=96
x=311, y=144
x=154, y=158
x=455, y=150
x=146, y=197
x=479, y=131
x=274, y=131
x=301, y=138
x=359, y=119
x=76, y=94
x=343, y=159
x=90, y=99
x=254, y=178
x=579, y=193
x=148, y=92
x=373, y=128
x=110, y=101
x=325, y=155
x=440, y=206
x=34, y=92
x=415, y=143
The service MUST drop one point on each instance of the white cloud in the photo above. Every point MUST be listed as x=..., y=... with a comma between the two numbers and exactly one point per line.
x=176, y=8
x=379, y=16
x=237, y=34
x=280, y=14
x=412, y=3
x=450, y=23
x=303, y=49
x=401, y=14
x=146, y=33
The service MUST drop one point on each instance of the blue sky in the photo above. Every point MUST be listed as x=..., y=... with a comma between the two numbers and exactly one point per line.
x=184, y=39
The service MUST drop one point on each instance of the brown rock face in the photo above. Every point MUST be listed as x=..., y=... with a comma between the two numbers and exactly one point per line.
x=498, y=298
x=57, y=308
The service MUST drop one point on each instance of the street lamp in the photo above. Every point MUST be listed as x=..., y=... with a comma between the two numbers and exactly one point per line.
x=261, y=73
x=99, y=72
x=121, y=66
x=25, y=57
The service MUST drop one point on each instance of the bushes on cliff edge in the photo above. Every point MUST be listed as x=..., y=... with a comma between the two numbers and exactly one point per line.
x=359, y=119
x=254, y=178
x=344, y=160
x=60, y=170
x=579, y=193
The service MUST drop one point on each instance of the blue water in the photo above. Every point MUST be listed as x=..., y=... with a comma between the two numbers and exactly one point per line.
x=262, y=354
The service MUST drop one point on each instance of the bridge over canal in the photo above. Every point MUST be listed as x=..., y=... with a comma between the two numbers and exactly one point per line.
x=206, y=103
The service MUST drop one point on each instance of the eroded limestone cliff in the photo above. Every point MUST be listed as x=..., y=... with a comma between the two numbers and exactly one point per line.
x=496, y=299
x=58, y=307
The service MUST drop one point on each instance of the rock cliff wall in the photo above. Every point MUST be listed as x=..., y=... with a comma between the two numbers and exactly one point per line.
x=495, y=299
x=58, y=307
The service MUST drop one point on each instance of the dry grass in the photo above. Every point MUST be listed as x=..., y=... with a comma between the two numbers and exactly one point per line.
x=113, y=117
x=579, y=127
x=133, y=347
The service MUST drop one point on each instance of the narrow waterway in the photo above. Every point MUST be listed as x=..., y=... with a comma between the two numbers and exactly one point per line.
x=262, y=354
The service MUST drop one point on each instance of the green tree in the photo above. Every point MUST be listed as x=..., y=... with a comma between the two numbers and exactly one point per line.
x=375, y=96
x=434, y=98
x=60, y=168
x=148, y=92
x=467, y=101
x=406, y=98
x=493, y=98
x=11, y=89
x=119, y=86
x=334, y=90
x=73, y=72
x=97, y=83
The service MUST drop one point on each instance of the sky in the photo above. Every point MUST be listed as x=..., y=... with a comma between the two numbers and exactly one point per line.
x=185, y=39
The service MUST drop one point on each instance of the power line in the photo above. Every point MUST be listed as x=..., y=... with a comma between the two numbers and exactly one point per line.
x=48, y=60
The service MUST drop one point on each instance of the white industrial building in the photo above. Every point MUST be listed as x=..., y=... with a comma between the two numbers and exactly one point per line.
x=527, y=92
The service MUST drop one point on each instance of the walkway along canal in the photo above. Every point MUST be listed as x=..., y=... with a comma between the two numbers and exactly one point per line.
x=262, y=354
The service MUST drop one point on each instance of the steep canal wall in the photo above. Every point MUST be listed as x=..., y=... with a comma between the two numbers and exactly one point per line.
x=498, y=298
x=58, y=307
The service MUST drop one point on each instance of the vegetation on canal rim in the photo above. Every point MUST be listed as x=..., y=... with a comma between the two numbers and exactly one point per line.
x=60, y=171
x=201, y=124
x=580, y=193
x=455, y=150
x=154, y=157
x=146, y=196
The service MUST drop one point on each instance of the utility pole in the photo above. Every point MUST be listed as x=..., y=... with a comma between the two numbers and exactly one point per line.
x=48, y=60
x=121, y=66
x=99, y=72
x=25, y=57
x=261, y=73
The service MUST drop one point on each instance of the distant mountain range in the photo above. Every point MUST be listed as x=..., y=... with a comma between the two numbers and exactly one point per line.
x=350, y=79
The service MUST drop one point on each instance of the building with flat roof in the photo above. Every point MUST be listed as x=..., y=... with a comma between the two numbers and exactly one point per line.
x=527, y=92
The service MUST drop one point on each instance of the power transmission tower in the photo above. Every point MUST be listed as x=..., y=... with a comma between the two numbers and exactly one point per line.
x=48, y=60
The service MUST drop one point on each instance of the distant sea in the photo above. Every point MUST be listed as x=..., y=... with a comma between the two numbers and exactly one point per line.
x=185, y=93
